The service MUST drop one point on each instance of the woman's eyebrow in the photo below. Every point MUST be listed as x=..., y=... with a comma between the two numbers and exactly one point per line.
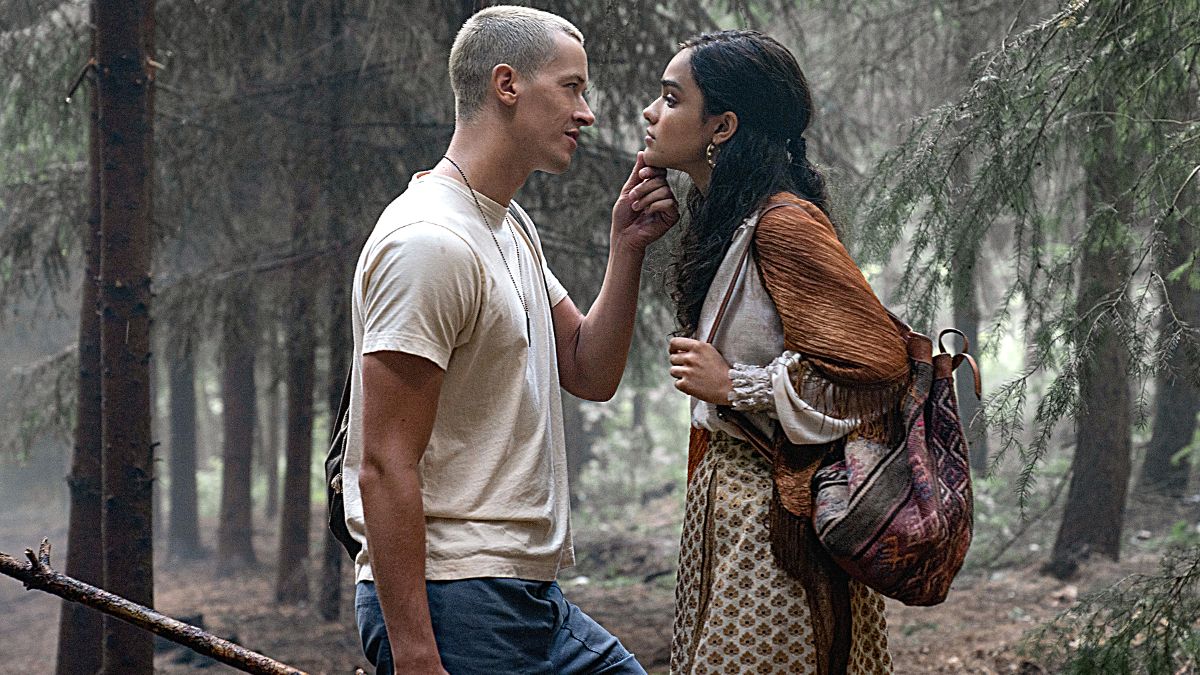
x=671, y=83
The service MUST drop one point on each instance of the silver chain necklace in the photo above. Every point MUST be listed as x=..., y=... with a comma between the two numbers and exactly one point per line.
x=503, y=259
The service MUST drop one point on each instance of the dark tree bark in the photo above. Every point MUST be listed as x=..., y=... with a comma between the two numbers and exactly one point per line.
x=80, y=629
x=1177, y=391
x=1095, y=510
x=270, y=448
x=235, y=546
x=579, y=442
x=124, y=33
x=340, y=343
x=183, y=531
x=965, y=282
x=291, y=581
x=966, y=319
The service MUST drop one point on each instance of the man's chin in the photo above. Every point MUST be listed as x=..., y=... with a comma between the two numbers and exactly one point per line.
x=557, y=168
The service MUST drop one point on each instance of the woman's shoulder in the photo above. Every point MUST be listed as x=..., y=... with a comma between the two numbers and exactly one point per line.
x=786, y=213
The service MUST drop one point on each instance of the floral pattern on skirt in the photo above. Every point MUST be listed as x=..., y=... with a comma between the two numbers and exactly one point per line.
x=736, y=611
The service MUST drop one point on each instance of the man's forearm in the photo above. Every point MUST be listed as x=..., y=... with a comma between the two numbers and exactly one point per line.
x=395, y=520
x=601, y=342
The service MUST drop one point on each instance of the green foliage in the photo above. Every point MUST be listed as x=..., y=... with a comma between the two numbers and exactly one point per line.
x=1101, y=83
x=1143, y=624
x=44, y=404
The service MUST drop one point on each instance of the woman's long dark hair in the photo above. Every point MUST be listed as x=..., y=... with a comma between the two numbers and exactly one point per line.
x=759, y=80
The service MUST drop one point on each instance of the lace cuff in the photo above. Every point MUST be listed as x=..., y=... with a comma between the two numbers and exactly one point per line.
x=752, y=389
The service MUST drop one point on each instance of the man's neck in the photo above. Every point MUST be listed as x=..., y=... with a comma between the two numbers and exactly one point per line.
x=492, y=168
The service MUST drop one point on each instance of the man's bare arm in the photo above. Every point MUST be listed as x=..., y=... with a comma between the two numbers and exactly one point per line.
x=400, y=395
x=592, y=349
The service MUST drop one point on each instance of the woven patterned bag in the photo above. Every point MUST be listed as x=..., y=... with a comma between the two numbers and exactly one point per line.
x=899, y=519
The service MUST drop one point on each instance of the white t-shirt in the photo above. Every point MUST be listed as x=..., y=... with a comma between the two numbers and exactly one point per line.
x=431, y=282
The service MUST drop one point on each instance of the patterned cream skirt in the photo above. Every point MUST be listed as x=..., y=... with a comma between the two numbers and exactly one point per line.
x=735, y=610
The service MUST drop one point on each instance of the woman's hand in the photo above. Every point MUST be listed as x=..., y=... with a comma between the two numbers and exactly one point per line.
x=645, y=209
x=700, y=370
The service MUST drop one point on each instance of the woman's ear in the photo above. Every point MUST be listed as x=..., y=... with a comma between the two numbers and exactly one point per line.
x=504, y=84
x=726, y=127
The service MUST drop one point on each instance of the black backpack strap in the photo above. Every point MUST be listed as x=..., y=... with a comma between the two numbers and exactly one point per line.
x=527, y=228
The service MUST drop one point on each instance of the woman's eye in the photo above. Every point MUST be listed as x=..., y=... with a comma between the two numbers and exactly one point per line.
x=670, y=100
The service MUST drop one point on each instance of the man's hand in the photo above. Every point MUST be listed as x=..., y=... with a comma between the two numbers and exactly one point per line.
x=646, y=208
x=700, y=370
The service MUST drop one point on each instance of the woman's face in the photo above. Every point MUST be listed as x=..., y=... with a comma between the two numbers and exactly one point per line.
x=678, y=133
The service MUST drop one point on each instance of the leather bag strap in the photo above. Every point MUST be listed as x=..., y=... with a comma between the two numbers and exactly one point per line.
x=737, y=273
x=758, y=440
x=962, y=356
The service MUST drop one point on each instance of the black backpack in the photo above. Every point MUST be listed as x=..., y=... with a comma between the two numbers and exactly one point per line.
x=335, y=509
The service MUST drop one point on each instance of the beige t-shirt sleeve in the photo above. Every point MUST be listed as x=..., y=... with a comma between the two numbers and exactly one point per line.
x=553, y=287
x=421, y=293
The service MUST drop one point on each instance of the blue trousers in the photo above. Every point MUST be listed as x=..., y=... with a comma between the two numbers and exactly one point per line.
x=500, y=626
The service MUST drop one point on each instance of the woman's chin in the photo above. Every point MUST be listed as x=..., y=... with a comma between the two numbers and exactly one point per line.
x=651, y=160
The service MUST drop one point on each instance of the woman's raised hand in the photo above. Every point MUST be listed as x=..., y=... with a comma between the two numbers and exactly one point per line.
x=700, y=370
x=646, y=208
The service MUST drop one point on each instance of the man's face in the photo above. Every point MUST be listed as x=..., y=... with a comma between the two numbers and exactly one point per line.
x=552, y=109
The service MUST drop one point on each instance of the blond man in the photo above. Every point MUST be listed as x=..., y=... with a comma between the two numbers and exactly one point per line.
x=455, y=466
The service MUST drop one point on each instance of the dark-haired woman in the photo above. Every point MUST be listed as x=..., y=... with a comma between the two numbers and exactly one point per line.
x=803, y=349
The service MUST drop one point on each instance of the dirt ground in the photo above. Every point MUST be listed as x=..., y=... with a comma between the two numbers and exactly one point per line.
x=977, y=630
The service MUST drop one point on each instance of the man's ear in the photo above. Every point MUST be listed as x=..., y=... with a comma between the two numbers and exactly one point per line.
x=504, y=84
x=726, y=127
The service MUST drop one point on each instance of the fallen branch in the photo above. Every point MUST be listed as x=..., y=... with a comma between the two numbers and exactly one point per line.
x=37, y=574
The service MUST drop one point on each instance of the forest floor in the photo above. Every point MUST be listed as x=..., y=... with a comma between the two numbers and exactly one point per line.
x=628, y=589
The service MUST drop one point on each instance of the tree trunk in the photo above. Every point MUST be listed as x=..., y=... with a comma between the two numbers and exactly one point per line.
x=1177, y=391
x=183, y=532
x=291, y=581
x=128, y=456
x=270, y=448
x=966, y=319
x=965, y=280
x=1095, y=508
x=80, y=629
x=235, y=546
x=579, y=443
x=341, y=344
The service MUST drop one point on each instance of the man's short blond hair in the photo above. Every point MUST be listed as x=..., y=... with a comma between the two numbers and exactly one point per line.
x=522, y=37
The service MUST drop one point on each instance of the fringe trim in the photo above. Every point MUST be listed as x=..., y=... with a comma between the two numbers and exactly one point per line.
x=797, y=551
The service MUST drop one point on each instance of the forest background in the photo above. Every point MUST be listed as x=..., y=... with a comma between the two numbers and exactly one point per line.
x=1024, y=171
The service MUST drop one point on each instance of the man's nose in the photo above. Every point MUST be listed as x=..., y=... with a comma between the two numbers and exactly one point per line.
x=584, y=117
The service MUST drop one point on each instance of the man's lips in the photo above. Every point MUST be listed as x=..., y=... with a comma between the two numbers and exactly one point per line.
x=574, y=136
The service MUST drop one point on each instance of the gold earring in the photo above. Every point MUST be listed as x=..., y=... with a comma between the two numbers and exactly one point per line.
x=710, y=153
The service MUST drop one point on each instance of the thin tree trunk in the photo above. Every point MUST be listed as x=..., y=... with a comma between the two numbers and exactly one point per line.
x=965, y=281
x=340, y=344
x=270, y=450
x=235, y=545
x=291, y=581
x=1177, y=391
x=183, y=532
x=1095, y=509
x=966, y=319
x=80, y=629
x=578, y=441
x=126, y=239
